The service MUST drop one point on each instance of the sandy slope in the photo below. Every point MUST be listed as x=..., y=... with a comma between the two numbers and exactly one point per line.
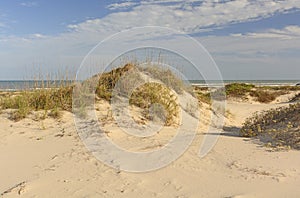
x=47, y=159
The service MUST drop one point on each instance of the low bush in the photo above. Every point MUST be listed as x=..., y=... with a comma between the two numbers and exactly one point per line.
x=238, y=89
x=281, y=125
x=263, y=96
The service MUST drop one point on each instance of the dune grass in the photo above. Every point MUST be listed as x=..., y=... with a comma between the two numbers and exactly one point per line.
x=203, y=97
x=262, y=94
x=279, y=127
x=107, y=81
x=155, y=93
x=143, y=96
x=53, y=100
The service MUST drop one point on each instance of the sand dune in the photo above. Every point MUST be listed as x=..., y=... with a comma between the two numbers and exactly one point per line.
x=47, y=159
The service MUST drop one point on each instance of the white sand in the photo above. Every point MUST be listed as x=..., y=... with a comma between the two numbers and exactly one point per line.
x=48, y=159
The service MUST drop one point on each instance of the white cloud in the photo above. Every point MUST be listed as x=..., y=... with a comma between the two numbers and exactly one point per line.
x=38, y=36
x=192, y=16
x=29, y=4
x=120, y=6
x=234, y=54
x=261, y=48
x=2, y=19
x=289, y=32
x=242, y=57
x=2, y=25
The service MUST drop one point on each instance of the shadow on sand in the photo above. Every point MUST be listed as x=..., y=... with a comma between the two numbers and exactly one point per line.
x=229, y=131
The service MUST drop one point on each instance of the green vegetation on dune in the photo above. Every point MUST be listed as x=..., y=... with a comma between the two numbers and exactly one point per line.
x=261, y=94
x=281, y=126
x=108, y=80
x=265, y=96
x=155, y=93
x=238, y=89
x=35, y=100
x=282, y=88
x=52, y=100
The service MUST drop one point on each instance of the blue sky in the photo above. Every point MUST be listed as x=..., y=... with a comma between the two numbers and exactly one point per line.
x=248, y=39
x=47, y=17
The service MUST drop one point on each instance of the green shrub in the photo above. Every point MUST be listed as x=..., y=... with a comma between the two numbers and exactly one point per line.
x=281, y=125
x=238, y=89
x=154, y=93
x=263, y=96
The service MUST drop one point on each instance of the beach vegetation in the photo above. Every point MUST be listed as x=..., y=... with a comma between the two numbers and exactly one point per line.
x=203, y=97
x=238, y=89
x=54, y=100
x=277, y=127
x=263, y=96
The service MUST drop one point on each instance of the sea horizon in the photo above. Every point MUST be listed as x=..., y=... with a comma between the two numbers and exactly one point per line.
x=17, y=85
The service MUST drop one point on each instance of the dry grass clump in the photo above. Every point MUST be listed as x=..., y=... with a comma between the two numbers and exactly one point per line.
x=280, y=127
x=203, y=97
x=108, y=80
x=200, y=89
x=202, y=94
x=53, y=99
x=158, y=97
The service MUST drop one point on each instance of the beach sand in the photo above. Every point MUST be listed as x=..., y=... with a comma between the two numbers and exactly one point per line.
x=46, y=158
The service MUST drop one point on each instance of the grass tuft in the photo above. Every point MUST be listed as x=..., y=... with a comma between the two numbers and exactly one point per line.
x=150, y=94
x=38, y=99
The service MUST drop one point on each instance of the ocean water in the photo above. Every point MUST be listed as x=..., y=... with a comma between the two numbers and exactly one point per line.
x=16, y=85
x=21, y=85
x=255, y=82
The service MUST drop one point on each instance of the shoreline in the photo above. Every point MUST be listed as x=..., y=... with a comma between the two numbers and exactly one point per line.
x=12, y=86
